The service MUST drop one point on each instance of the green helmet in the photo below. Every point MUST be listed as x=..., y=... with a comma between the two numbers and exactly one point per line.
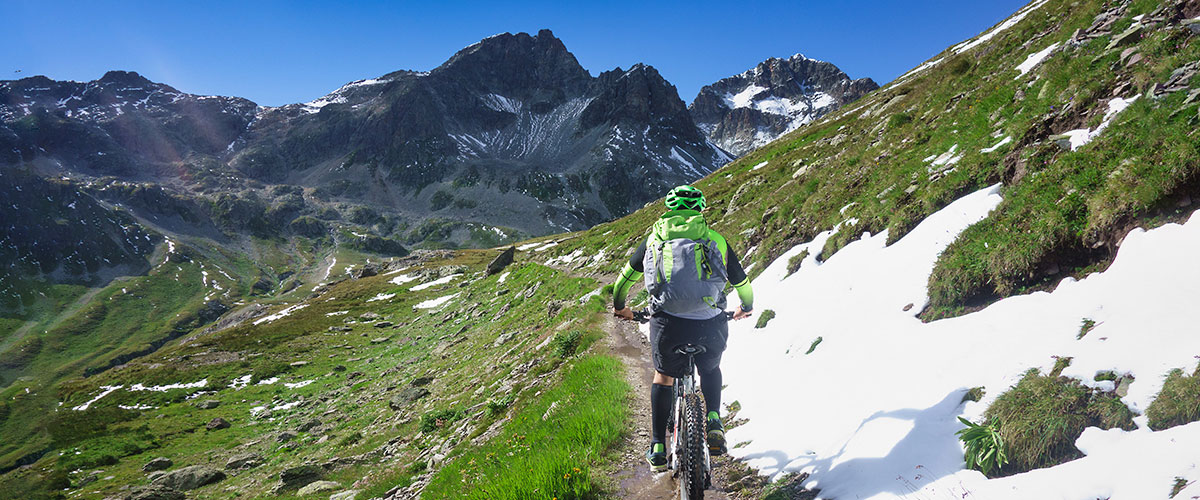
x=685, y=198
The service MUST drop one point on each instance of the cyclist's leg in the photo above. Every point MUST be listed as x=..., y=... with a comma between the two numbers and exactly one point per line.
x=661, y=391
x=712, y=334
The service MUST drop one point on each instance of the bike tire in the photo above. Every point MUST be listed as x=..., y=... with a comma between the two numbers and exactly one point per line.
x=692, y=474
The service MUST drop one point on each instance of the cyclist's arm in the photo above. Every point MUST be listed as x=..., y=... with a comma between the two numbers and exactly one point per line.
x=631, y=273
x=741, y=282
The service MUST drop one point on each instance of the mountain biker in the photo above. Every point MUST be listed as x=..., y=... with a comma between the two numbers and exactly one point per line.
x=684, y=310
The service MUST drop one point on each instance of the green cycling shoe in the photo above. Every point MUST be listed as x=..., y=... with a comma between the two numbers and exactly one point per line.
x=716, y=435
x=656, y=456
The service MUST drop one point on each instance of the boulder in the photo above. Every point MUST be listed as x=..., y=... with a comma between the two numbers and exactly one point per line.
x=286, y=436
x=309, y=425
x=369, y=316
x=406, y=397
x=88, y=479
x=318, y=487
x=505, y=337
x=160, y=463
x=217, y=423
x=383, y=324
x=501, y=261
x=365, y=272
x=345, y=495
x=244, y=461
x=379, y=340
x=1130, y=35
x=298, y=363
x=208, y=404
x=294, y=478
x=189, y=478
x=153, y=492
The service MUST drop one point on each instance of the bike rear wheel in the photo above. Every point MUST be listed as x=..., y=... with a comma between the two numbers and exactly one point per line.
x=692, y=463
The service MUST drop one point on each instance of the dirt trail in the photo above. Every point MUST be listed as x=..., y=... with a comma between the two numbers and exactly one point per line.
x=632, y=476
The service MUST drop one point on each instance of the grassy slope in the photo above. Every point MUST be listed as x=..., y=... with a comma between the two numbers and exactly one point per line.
x=96, y=327
x=355, y=374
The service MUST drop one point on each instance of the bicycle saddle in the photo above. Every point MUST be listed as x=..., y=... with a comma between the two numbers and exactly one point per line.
x=691, y=349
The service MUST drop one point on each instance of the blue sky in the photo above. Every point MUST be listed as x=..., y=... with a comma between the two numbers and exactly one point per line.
x=279, y=52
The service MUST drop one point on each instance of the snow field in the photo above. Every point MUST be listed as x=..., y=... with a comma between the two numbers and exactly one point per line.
x=872, y=412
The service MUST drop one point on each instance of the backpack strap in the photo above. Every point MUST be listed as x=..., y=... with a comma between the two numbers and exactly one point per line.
x=722, y=245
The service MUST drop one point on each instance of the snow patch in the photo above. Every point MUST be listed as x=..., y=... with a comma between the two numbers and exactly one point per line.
x=104, y=391
x=402, y=279
x=1010, y=22
x=165, y=388
x=382, y=296
x=434, y=303
x=1079, y=137
x=281, y=314
x=1002, y=142
x=1035, y=59
x=439, y=281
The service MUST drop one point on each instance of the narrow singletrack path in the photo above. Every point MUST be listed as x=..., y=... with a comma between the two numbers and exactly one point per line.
x=632, y=476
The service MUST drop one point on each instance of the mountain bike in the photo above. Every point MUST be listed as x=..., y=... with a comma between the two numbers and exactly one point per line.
x=687, y=424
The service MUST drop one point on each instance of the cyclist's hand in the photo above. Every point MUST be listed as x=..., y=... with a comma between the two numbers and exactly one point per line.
x=741, y=314
x=625, y=313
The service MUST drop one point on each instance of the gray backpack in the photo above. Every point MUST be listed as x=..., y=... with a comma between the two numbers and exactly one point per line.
x=685, y=266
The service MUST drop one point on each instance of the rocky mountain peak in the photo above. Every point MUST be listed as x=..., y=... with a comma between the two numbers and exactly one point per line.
x=124, y=78
x=778, y=95
x=640, y=95
x=515, y=64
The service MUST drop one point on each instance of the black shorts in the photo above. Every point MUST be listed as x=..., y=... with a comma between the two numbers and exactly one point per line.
x=668, y=332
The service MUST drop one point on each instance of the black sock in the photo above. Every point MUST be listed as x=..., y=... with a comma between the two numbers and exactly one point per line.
x=660, y=409
x=710, y=385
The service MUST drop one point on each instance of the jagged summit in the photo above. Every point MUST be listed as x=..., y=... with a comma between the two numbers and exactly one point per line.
x=748, y=110
x=124, y=77
x=516, y=64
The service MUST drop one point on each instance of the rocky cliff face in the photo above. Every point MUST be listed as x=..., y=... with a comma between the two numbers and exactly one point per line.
x=508, y=127
x=743, y=112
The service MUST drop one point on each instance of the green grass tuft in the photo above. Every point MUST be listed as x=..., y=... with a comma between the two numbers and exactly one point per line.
x=984, y=447
x=764, y=318
x=1042, y=416
x=1085, y=326
x=1177, y=403
x=812, y=347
